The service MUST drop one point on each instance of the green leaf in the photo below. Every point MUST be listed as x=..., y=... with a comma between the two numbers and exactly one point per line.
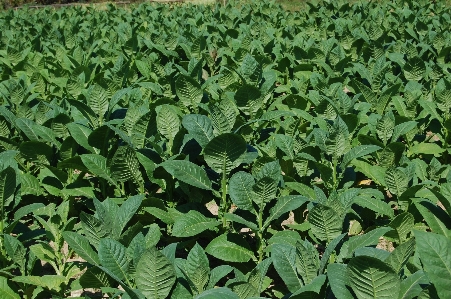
x=411, y=286
x=402, y=129
x=399, y=257
x=5, y=290
x=95, y=278
x=240, y=190
x=231, y=248
x=200, y=127
x=223, y=152
x=168, y=122
x=50, y=282
x=155, y=275
x=370, y=238
x=248, y=99
x=437, y=219
x=81, y=246
x=239, y=219
x=7, y=188
x=15, y=249
x=97, y=165
x=284, y=261
x=397, y=181
x=197, y=267
x=414, y=69
x=338, y=280
x=125, y=165
x=27, y=126
x=189, y=91
x=81, y=134
x=112, y=256
x=426, y=148
x=402, y=226
x=326, y=224
x=192, y=223
x=435, y=255
x=218, y=293
x=329, y=250
x=127, y=210
x=371, y=278
x=188, y=172
x=307, y=261
x=285, y=144
x=217, y=274
x=284, y=205
x=357, y=152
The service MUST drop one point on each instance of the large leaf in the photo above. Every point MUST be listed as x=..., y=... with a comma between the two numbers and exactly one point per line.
x=231, y=248
x=192, y=223
x=200, y=127
x=369, y=277
x=223, y=152
x=81, y=246
x=188, y=91
x=155, y=274
x=197, y=267
x=284, y=261
x=284, y=205
x=5, y=290
x=125, y=165
x=240, y=190
x=7, y=187
x=326, y=223
x=188, y=172
x=435, y=254
x=112, y=256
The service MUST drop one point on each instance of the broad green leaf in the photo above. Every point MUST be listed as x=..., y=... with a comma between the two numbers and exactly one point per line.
x=125, y=165
x=284, y=205
x=81, y=134
x=218, y=293
x=370, y=238
x=168, y=122
x=155, y=274
x=200, y=127
x=97, y=165
x=284, y=261
x=95, y=278
x=437, y=219
x=81, y=246
x=307, y=261
x=231, y=248
x=435, y=255
x=217, y=274
x=5, y=290
x=188, y=172
x=414, y=69
x=197, y=267
x=240, y=190
x=126, y=211
x=325, y=222
x=338, y=280
x=426, y=148
x=50, y=282
x=399, y=257
x=411, y=286
x=188, y=90
x=372, y=278
x=402, y=226
x=112, y=256
x=192, y=223
x=7, y=187
x=223, y=152
x=396, y=180
x=357, y=152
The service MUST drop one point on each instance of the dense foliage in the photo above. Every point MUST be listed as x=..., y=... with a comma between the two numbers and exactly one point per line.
x=226, y=152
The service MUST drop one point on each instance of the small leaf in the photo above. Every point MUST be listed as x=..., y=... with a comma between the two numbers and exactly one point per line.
x=81, y=246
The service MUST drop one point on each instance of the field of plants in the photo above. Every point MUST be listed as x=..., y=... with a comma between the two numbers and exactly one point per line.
x=226, y=152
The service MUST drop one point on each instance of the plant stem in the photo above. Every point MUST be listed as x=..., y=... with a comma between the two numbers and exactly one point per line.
x=260, y=236
x=224, y=200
